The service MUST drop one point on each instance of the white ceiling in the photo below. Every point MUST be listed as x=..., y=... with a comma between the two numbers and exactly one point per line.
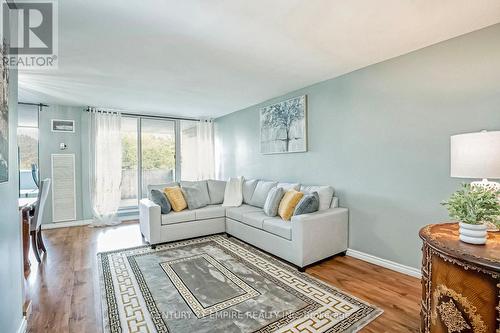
x=209, y=58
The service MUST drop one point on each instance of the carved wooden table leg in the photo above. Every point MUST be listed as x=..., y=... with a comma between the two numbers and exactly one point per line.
x=26, y=240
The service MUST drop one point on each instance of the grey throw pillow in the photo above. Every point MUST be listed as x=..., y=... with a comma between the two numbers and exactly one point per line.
x=308, y=204
x=159, y=198
x=325, y=193
x=216, y=189
x=248, y=188
x=260, y=193
x=195, y=197
x=273, y=201
x=202, y=186
x=160, y=187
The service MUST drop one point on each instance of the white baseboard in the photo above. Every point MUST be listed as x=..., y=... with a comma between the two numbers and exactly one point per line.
x=129, y=217
x=24, y=325
x=385, y=263
x=78, y=223
x=56, y=225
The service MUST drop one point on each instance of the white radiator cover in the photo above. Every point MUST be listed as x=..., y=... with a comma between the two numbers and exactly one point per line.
x=63, y=188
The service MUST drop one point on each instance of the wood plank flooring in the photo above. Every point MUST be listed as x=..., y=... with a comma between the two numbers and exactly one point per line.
x=65, y=295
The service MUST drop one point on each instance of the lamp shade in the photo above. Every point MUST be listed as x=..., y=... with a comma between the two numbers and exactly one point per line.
x=475, y=155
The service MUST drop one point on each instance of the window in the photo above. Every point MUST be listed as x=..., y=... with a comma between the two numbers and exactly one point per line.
x=27, y=140
x=149, y=155
x=157, y=152
x=130, y=181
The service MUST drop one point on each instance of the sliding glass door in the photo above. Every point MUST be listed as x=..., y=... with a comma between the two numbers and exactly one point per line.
x=157, y=152
x=148, y=156
x=130, y=154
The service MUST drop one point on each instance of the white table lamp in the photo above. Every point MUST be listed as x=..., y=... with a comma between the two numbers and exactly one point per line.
x=476, y=155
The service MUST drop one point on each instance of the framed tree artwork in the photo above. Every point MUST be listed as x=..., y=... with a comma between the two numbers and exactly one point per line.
x=4, y=116
x=283, y=126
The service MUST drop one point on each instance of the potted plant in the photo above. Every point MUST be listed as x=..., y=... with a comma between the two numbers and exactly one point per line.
x=474, y=207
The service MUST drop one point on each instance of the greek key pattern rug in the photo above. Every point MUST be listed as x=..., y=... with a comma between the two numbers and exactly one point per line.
x=219, y=284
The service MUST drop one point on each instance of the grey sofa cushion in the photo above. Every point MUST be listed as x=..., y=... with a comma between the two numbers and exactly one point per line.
x=210, y=212
x=260, y=193
x=278, y=227
x=308, y=204
x=325, y=194
x=216, y=190
x=178, y=217
x=201, y=185
x=236, y=213
x=289, y=186
x=195, y=197
x=273, y=201
x=248, y=188
x=254, y=219
x=159, y=198
x=160, y=187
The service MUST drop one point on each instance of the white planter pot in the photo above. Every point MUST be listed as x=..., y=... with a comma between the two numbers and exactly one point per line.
x=473, y=233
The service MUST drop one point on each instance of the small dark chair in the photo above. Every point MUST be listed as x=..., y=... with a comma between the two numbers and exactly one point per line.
x=36, y=219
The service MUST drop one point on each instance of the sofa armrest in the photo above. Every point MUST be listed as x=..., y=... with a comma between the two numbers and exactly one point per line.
x=150, y=220
x=320, y=235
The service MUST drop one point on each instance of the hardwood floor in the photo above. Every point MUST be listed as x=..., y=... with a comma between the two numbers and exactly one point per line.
x=397, y=294
x=65, y=292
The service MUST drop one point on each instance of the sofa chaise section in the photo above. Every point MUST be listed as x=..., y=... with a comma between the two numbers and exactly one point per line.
x=304, y=240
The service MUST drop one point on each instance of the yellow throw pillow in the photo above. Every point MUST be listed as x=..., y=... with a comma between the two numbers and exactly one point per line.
x=176, y=198
x=288, y=203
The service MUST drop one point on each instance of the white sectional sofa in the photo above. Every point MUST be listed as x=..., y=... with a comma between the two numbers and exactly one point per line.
x=304, y=240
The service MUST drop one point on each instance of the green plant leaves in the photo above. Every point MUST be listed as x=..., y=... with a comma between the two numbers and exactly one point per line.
x=474, y=205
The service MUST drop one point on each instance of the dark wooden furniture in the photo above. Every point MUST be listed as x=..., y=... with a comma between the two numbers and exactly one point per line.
x=460, y=282
x=26, y=205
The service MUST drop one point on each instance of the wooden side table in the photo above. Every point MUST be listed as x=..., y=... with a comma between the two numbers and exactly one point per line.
x=460, y=282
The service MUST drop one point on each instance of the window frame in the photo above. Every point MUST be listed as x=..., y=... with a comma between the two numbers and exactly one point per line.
x=177, y=152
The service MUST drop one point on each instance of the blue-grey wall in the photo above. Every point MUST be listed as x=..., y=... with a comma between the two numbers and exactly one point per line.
x=49, y=144
x=380, y=136
x=11, y=276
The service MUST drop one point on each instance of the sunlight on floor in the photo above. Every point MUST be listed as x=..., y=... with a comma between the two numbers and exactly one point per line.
x=124, y=236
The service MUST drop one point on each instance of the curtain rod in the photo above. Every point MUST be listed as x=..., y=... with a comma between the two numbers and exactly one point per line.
x=34, y=104
x=147, y=115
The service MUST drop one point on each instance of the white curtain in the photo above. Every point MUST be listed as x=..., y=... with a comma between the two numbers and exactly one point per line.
x=105, y=166
x=205, y=147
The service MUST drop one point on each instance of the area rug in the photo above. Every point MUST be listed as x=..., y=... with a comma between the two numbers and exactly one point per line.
x=219, y=284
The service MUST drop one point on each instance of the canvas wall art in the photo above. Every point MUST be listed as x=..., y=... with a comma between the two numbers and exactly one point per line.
x=60, y=125
x=4, y=117
x=283, y=126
